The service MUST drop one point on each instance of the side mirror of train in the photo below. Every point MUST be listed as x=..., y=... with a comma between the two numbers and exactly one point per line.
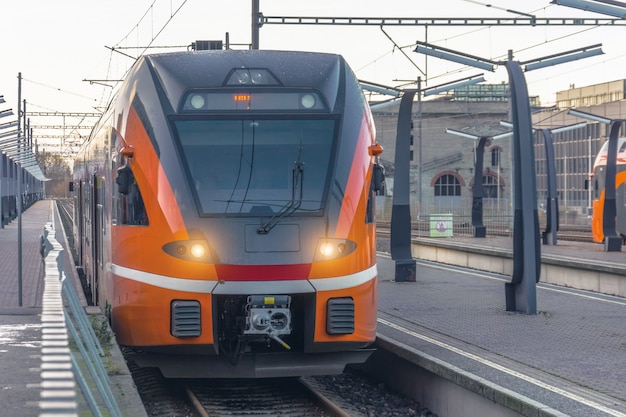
x=378, y=179
x=123, y=178
x=71, y=188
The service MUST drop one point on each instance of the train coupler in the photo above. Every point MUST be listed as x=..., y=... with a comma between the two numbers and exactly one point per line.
x=268, y=315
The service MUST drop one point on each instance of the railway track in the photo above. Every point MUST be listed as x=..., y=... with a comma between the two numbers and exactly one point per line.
x=267, y=397
x=66, y=212
x=350, y=394
x=66, y=207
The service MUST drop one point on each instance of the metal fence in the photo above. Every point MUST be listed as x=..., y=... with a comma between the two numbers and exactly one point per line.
x=497, y=214
x=62, y=312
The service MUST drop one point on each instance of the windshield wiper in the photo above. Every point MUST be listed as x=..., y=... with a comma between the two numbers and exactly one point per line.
x=293, y=205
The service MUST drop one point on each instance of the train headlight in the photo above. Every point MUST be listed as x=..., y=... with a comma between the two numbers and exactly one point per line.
x=307, y=101
x=198, y=250
x=190, y=250
x=197, y=101
x=328, y=249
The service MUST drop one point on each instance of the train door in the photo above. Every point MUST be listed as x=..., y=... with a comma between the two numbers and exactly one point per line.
x=101, y=228
x=78, y=224
x=87, y=237
x=97, y=233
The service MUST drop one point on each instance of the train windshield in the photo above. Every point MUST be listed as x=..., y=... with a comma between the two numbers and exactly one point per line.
x=621, y=153
x=258, y=167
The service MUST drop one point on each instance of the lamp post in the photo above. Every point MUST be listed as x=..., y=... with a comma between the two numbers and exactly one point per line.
x=401, y=209
x=400, y=216
x=477, y=190
x=420, y=155
x=19, y=194
x=549, y=236
x=612, y=241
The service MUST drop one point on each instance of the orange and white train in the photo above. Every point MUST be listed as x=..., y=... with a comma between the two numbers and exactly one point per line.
x=598, y=179
x=224, y=214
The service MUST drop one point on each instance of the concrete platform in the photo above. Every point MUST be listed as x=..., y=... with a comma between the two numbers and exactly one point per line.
x=21, y=337
x=567, y=360
x=571, y=264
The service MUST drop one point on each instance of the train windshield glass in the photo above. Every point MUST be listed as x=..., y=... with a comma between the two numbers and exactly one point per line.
x=621, y=153
x=257, y=166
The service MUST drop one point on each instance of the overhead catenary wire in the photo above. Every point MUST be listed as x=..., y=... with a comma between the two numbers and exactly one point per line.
x=118, y=45
x=499, y=57
x=153, y=36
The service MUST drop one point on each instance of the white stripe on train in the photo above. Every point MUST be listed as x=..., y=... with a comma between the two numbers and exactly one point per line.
x=247, y=287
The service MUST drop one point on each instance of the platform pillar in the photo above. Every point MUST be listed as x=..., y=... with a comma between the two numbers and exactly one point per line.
x=612, y=242
x=552, y=204
x=521, y=292
x=477, y=190
x=401, y=209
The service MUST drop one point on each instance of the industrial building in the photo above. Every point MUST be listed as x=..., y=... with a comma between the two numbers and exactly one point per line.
x=442, y=177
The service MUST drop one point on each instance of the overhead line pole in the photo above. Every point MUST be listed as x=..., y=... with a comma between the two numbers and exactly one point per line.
x=19, y=193
x=257, y=18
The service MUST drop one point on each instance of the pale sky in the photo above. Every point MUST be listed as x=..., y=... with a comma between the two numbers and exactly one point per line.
x=56, y=44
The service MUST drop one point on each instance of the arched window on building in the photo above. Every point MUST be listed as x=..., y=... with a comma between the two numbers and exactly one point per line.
x=491, y=186
x=447, y=185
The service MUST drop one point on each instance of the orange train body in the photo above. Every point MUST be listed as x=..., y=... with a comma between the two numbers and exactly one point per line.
x=598, y=181
x=224, y=210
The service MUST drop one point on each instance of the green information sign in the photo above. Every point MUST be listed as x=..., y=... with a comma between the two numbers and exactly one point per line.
x=441, y=225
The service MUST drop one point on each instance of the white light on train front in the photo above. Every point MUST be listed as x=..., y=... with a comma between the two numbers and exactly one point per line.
x=198, y=250
x=197, y=101
x=307, y=101
x=328, y=249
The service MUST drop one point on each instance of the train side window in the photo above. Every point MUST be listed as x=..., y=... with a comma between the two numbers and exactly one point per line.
x=124, y=178
x=114, y=198
x=377, y=187
x=370, y=212
x=131, y=209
